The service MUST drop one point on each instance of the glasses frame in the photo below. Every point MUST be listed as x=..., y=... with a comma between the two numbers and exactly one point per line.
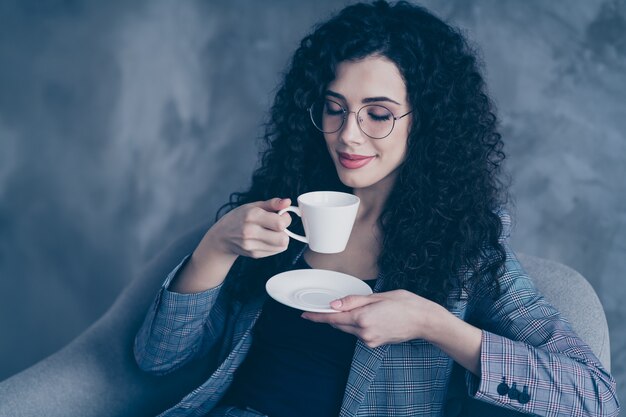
x=346, y=112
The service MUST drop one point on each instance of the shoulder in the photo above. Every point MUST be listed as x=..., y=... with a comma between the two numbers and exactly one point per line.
x=498, y=257
x=505, y=220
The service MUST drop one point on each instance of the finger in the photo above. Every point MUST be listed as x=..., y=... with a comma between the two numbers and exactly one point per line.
x=351, y=302
x=257, y=253
x=274, y=240
x=285, y=220
x=347, y=329
x=264, y=240
x=334, y=319
x=269, y=220
x=273, y=204
x=283, y=203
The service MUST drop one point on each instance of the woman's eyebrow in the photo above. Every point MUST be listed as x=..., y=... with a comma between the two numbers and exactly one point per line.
x=365, y=100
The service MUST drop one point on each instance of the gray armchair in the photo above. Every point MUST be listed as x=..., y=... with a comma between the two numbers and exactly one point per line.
x=96, y=376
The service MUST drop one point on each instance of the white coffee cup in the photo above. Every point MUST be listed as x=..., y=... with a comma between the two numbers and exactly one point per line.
x=327, y=217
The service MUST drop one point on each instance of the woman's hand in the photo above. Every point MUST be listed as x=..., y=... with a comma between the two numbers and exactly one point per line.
x=254, y=230
x=380, y=318
x=399, y=316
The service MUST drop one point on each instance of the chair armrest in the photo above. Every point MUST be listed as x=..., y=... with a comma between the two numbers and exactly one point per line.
x=96, y=375
x=575, y=298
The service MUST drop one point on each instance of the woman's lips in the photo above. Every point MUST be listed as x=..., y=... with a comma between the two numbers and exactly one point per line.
x=351, y=161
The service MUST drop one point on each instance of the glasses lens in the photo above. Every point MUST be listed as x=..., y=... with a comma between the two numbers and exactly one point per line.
x=327, y=115
x=376, y=121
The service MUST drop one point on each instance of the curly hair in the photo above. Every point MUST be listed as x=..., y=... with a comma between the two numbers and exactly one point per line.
x=441, y=215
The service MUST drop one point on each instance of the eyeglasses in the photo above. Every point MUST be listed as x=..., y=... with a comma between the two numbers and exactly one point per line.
x=374, y=120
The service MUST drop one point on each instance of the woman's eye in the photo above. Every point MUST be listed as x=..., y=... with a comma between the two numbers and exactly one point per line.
x=333, y=109
x=379, y=117
x=333, y=112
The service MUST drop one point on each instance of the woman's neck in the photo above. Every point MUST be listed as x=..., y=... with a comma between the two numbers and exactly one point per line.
x=373, y=199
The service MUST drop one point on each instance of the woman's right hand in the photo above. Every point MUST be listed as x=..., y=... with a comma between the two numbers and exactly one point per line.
x=254, y=230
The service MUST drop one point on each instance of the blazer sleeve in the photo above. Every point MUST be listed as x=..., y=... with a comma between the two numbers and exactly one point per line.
x=177, y=327
x=531, y=359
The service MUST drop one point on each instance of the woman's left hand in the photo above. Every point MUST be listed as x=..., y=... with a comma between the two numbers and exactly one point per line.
x=381, y=318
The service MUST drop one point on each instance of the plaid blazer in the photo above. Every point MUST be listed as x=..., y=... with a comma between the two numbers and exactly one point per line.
x=531, y=359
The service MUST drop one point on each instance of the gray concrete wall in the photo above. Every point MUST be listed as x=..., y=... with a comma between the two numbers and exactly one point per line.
x=125, y=123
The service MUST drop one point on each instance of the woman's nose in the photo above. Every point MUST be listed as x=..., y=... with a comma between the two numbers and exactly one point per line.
x=350, y=131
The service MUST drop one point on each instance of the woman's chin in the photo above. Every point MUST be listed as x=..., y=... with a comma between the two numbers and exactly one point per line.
x=352, y=182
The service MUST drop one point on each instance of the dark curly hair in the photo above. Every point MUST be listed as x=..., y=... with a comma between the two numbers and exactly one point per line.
x=441, y=216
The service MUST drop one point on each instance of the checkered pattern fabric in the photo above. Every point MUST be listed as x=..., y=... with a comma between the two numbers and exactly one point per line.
x=527, y=347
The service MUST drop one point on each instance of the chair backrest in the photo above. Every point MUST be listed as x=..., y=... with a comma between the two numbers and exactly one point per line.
x=575, y=298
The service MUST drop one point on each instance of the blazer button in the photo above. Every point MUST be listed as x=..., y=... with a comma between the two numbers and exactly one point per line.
x=503, y=388
x=524, y=397
x=513, y=392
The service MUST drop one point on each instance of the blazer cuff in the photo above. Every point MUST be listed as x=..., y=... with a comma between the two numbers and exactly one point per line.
x=173, y=329
x=504, y=377
x=186, y=305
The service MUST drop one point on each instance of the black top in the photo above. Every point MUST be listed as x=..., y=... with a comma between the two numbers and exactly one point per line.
x=295, y=367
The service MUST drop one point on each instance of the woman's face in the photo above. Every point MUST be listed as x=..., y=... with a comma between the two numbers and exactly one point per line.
x=363, y=162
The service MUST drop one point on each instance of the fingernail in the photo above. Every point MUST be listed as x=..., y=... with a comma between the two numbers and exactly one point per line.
x=336, y=303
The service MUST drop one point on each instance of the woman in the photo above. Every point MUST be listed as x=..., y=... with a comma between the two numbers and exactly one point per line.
x=385, y=102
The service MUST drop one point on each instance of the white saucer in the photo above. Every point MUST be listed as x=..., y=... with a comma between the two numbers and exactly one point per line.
x=314, y=289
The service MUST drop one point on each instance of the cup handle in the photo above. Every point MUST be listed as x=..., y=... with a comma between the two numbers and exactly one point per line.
x=295, y=210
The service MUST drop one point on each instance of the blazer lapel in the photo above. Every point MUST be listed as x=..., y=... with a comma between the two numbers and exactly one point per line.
x=365, y=364
x=247, y=317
